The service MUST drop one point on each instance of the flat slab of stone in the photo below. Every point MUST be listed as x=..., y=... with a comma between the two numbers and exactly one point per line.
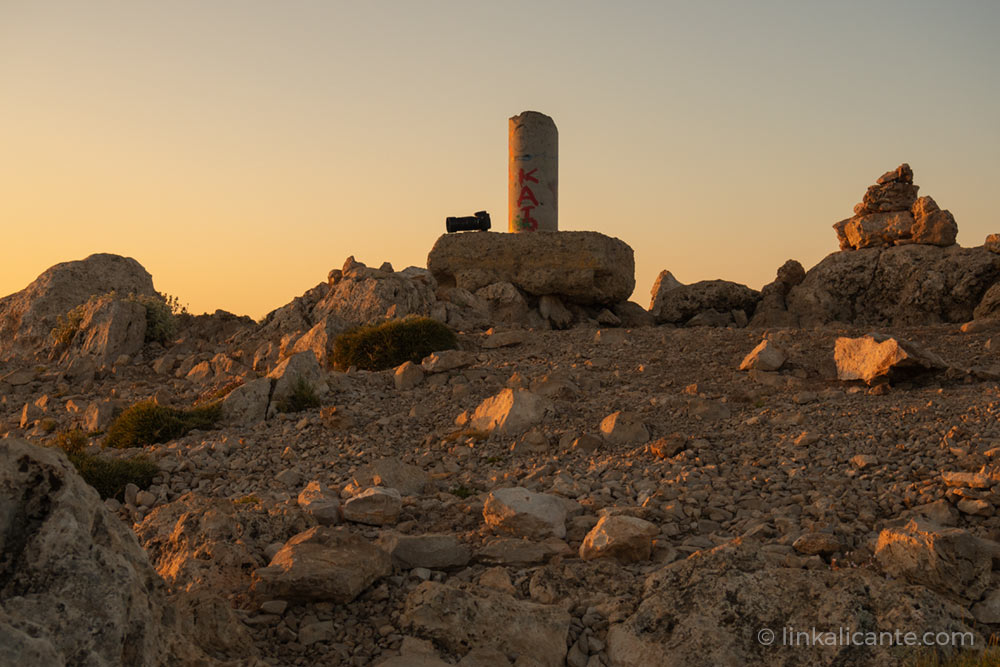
x=583, y=267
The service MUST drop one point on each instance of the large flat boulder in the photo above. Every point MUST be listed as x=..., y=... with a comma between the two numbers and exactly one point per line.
x=27, y=317
x=898, y=286
x=675, y=303
x=587, y=268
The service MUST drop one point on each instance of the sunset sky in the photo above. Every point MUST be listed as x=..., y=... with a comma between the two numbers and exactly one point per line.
x=240, y=150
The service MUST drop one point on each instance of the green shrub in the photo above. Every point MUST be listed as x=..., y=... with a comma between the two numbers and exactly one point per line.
x=108, y=476
x=67, y=325
x=147, y=423
x=161, y=325
x=377, y=347
x=303, y=397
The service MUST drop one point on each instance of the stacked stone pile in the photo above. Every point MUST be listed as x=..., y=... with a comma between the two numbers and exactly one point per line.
x=891, y=214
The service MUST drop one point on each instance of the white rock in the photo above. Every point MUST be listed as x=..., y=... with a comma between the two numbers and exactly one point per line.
x=625, y=538
x=524, y=513
x=511, y=412
x=876, y=356
x=622, y=428
x=322, y=503
x=376, y=506
x=407, y=376
x=765, y=357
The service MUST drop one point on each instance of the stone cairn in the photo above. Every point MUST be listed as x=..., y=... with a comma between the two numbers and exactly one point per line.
x=891, y=214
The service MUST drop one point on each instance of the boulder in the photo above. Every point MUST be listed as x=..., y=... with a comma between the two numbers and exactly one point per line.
x=524, y=513
x=716, y=606
x=409, y=480
x=948, y=560
x=552, y=309
x=989, y=305
x=931, y=225
x=247, y=404
x=458, y=620
x=765, y=357
x=673, y=304
x=322, y=564
x=898, y=286
x=376, y=506
x=435, y=552
x=992, y=243
x=27, y=317
x=364, y=295
x=772, y=310
x=321, y=503
x=76, y=586
x=627, y=539
x=407, y=376
x=446, y=360
x=505, y=303
x=300, y=368
x=511, y=412
x=875, y=357
x=624, y=428
x=581, y=267
x=319, y=339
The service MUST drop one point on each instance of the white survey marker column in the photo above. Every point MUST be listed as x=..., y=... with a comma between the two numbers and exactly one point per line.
x=533, y=174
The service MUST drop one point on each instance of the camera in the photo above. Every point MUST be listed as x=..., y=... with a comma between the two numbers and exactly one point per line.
x=478, y=222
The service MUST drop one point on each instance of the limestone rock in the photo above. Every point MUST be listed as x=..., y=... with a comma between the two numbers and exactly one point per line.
x=321, y=503
x=765, y=357
x=992, y=243
x=710, y=608
x=27, y=317
x=301, y=367
x=582, y=267
x=376, y=506
x=528, y=629
x=623, y=428
x=409, y=480
x=319, y=339
x=511, y=412
x=989, y=306
x=73, y=579
x=435, y=552
x=365, y=295
x=899, y=286
x=674, y=304
x=553, y=310
x=813, y=543
x=407, y=376
x=505, y=303
x=627, y=539
x=632, y=315
x=524, y=513
x=948, y=560
x=322, y=564
x=876, y=356
x=446, y=360
x=891, y=214
x=931, y=225
x=772, y=310
x=247, y=404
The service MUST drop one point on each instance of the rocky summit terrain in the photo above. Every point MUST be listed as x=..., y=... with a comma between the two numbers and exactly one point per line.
x=583, y=481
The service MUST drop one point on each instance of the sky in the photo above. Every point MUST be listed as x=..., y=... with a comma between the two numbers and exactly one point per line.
x=240, y=150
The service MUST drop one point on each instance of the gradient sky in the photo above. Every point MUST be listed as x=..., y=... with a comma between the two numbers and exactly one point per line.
x=241, y=149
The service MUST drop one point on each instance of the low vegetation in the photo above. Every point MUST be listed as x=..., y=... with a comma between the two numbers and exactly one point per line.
x=108, y=476
x=377, y=347
x=303, y=397
x=161, y=317
x=147, y=423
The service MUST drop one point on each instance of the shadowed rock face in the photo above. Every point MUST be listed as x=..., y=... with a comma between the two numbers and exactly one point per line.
x=27, y=317
x=901, y=285
x=586, y=268
x=76, y=586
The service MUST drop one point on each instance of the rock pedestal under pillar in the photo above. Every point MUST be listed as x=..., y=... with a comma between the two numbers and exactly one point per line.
x=533, y=174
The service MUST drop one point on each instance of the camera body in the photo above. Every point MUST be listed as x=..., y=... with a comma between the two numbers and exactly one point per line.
x=478, y=222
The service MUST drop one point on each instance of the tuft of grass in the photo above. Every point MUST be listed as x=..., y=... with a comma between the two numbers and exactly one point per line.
x=161, y=320
x=303, y=397
x=108, y=476
x=68, y=325
x=247, y=500
x=462, y=492
x=376, y=347
x=147, y=423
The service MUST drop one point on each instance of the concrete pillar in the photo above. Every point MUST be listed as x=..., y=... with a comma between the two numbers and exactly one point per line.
x=533, y=174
